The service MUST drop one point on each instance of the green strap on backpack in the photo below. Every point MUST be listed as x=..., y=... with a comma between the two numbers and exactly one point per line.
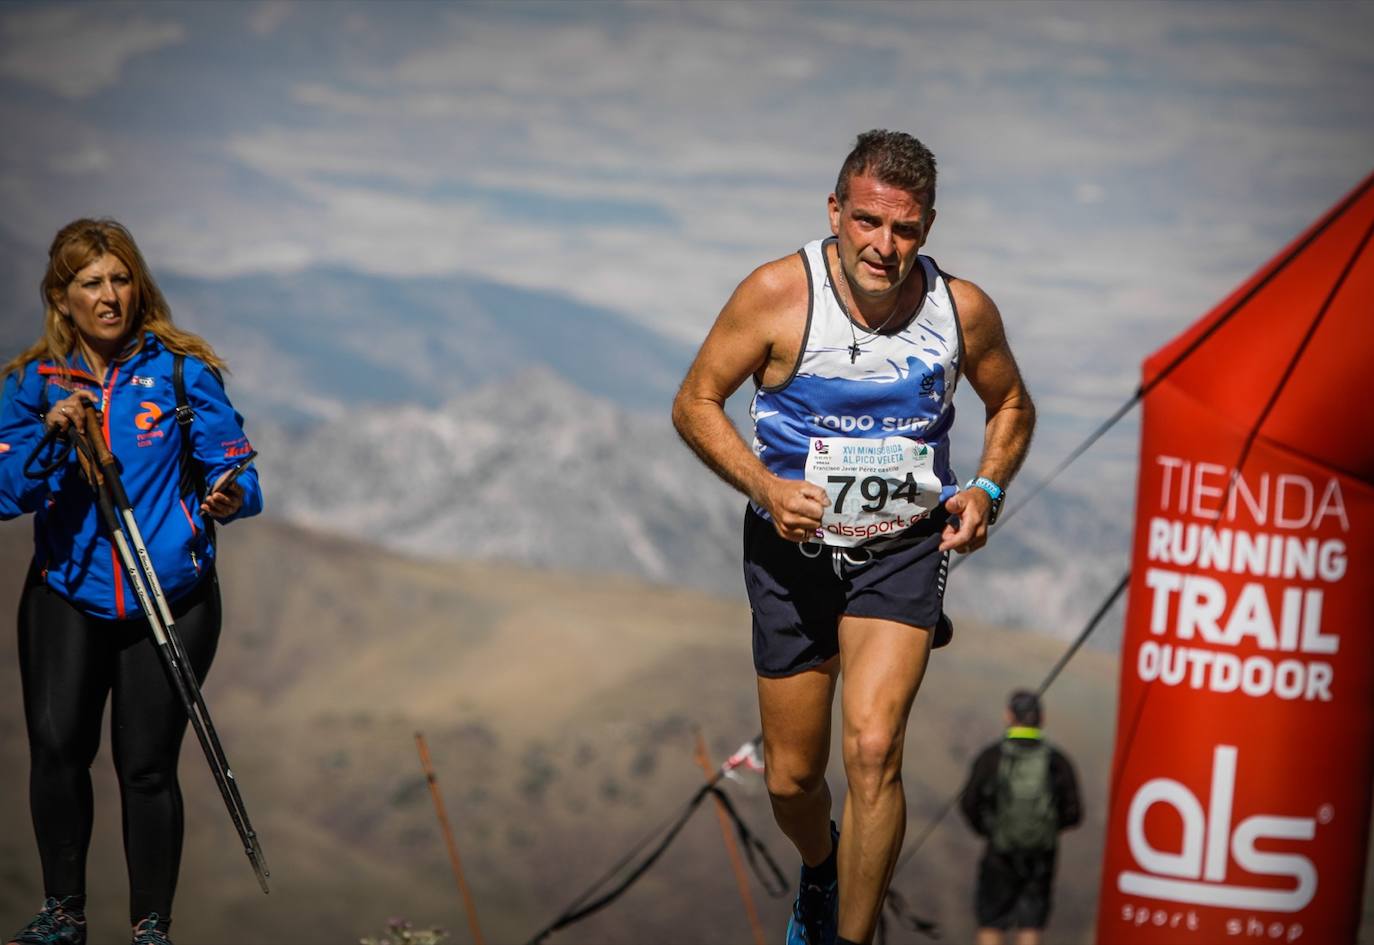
x=1024, y=817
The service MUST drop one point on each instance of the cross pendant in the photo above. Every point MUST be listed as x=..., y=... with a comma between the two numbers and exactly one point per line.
x=853, y=352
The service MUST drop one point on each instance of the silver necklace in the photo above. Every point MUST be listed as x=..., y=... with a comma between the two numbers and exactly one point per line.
x=854, y=349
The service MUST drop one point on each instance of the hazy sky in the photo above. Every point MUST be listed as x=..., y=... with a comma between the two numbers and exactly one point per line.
x=1108, y=172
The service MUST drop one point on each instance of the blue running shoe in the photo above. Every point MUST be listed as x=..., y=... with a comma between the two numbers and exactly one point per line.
x=815, y=915
x=152, y=930
x=58, y=924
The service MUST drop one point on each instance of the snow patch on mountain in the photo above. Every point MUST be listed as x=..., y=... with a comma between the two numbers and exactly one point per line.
x=533, y=470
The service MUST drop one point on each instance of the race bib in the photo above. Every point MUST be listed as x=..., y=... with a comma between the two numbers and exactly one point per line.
x=877, y=487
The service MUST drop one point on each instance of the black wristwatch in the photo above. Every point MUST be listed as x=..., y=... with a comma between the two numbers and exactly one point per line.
x=995, y=492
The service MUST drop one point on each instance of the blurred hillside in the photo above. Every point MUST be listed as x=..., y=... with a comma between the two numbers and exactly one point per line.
x=535, y=470
x=559, y=708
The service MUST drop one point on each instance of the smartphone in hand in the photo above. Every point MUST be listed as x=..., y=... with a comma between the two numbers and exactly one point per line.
x=234, y=472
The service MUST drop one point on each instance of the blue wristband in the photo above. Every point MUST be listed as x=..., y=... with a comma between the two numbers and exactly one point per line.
x=993, y=490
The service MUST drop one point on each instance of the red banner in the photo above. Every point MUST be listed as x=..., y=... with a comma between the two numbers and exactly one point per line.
x=1241, y=786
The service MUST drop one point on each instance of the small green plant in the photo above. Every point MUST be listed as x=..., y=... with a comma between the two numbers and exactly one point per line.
x=400, y=932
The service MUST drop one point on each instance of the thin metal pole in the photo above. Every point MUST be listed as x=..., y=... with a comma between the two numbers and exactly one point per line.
x=731, y=847
x=103, y=472
x=468, y=906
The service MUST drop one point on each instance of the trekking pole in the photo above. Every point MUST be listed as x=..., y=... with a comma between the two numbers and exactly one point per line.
x=110, y=494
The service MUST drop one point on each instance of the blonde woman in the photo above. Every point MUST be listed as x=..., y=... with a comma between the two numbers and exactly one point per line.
x=108, y=340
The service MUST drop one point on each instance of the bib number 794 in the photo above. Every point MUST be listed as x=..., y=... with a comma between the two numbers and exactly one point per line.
x=876, y=490
x=877, y=487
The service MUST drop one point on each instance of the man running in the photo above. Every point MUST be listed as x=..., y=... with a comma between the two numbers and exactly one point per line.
x=856, y=344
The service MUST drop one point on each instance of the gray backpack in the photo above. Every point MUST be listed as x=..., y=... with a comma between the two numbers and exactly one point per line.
x=1024, y=817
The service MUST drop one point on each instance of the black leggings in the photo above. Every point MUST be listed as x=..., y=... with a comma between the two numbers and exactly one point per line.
x=68, y=663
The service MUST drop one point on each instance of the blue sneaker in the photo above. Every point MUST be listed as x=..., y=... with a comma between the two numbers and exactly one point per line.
x=152, y=930
x=815, y=915
x=57, y=924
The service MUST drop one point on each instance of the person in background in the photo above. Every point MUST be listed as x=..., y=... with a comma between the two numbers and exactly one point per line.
x=1021, y=793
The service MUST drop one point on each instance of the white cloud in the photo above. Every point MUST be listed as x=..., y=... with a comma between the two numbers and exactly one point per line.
x=267, y=17
x=299, y=155
x=1107, y=173
x=91, y=159
x=672, y=114
x=1089, y=193
x=75, y=51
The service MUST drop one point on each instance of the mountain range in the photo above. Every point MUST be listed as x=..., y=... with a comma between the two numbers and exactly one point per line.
x=533, y=470
x=464, y=418
x=527, y=469
x=319, y=342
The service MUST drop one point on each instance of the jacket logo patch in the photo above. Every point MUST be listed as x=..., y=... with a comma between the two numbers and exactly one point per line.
x=141, y=381
x=236, y=448
x=152, y=413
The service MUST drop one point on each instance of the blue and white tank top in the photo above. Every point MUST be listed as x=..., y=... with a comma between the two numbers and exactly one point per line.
x=850, y=384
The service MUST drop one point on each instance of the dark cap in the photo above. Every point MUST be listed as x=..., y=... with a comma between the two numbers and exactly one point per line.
x=1024, y=706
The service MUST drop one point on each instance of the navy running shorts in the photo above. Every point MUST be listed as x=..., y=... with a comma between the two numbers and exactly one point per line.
x=798, y=600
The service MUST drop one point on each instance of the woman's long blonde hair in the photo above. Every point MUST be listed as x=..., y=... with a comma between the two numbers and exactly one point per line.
x=76, y=246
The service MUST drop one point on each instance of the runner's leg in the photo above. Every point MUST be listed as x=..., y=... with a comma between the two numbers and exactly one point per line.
x=883, y=663
x=64, y=669
x=148, y=725
x=796, y=749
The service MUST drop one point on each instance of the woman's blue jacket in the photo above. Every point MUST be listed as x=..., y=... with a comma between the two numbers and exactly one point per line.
x=138, y=401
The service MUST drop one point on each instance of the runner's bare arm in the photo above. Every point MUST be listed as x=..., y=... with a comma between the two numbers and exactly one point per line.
x=991, y=370
x=745, y=341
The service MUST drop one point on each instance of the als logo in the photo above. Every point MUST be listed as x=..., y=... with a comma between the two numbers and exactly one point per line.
x=1197, y=873
x=152, y=413
x=822, y=447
